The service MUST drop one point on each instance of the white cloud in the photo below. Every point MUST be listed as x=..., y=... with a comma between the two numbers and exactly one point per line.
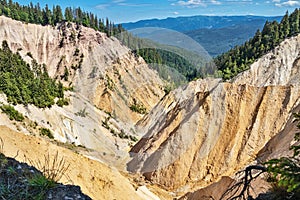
x=134, y=4
x=239, y=1
x=286, y=3
x=191, y=3
x=215, y=2
x=196, y=3
x=102, y=6
x=119, y=3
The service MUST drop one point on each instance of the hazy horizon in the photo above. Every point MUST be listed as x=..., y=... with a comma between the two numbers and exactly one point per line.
x=123, y=11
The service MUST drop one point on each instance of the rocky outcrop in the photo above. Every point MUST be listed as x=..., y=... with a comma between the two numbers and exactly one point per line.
x=278, y=67
x=210, y=191
x=107, y=79
x=207, y=129
x=96, y=180
x=100, y=68
x=15, y=178
x=191, y=138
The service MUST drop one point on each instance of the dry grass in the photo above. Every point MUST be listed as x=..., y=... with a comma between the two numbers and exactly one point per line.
x=1, y=146
x=54, y=168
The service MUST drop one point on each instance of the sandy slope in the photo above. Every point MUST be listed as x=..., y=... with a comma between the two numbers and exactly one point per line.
x=95, y=179
x=209, y=129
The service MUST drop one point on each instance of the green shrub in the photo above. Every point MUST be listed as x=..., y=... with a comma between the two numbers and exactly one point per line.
x=41, y=184
x=105, y=123
x=66, y=74
x=76, y=53
x=46, y=132
x=69, y=89
x=25, y=85
x=62, y=102
x=12, y=113
x=138, y=107
x=123, y=135
x=29, y=54
x=168, y=88
x=133, y=138
x=110, y=83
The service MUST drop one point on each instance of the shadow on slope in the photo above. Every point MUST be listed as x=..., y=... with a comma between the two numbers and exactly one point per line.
x=22, y=181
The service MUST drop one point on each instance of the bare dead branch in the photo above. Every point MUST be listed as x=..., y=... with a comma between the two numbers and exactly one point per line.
x=241, y=189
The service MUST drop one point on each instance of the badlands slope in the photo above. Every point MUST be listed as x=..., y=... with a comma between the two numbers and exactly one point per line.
x=209, y=129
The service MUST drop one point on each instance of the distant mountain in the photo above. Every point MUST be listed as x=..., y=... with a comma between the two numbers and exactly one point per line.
x=217, y=34
x=184, y=24
x=220, y=40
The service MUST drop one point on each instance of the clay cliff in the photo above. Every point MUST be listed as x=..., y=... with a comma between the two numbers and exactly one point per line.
x=210, y=129
x=279, y=67
x=100, y=68
x=191, y=138
x=83, y=171
x=107, y=79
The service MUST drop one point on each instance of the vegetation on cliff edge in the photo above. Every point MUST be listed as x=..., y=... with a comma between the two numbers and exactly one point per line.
x=25, y=85
x=241, y=57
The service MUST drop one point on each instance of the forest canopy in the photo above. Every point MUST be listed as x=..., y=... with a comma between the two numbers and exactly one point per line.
x=273, y=33
x=25, y=85
x=51, y=16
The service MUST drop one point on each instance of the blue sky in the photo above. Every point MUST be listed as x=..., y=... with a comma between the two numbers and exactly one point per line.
x=134, y=10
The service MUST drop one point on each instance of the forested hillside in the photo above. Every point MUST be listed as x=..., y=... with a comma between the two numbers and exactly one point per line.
x=184, y=70
x=220, y=40
x=46, y=16
x=23, y=85
x=217, y=34
x=190, y=23
x=241, y=57
x=171, y=62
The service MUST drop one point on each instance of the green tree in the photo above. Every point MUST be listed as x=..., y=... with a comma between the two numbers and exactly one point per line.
x=285, y=26
x=294, y=22
x=241, y=57
x=47, y=16
x=12, y=113
x=24, y=16
x=57, y=14
x=23, y=85
x=68, y=14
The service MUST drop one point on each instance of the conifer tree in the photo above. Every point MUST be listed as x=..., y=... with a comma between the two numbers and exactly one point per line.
x=68, y=14
x=271, y=35
x=57, y=14
x=285, y=26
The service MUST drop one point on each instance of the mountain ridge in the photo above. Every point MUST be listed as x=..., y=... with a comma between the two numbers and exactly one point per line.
x=204, y=21
x=217, y=34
